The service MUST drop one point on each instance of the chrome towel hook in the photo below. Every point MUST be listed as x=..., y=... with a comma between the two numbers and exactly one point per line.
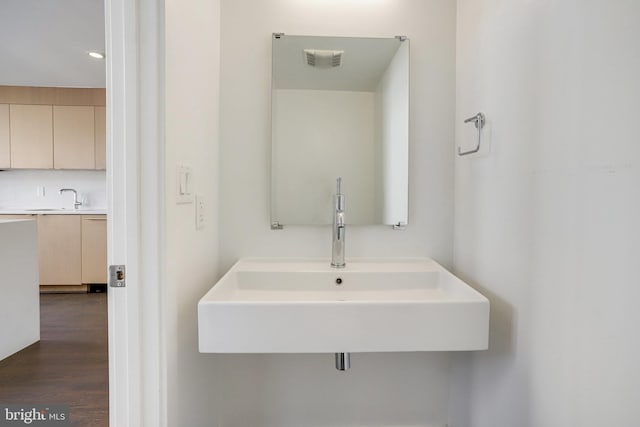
x=479, y=121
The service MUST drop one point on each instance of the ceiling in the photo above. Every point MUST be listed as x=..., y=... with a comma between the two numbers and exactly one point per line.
x=364, y=62
x=45, y=43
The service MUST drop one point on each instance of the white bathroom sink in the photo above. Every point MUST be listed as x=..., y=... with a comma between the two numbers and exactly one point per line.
x=306, y=306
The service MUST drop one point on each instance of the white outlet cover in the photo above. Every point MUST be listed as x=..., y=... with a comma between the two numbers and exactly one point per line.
x=200, y=211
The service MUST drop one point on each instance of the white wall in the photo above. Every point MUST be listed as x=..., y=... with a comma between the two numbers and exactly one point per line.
x=19, y=188
x=293, y=390
x=338, y=132
x=546, y=217
x=192, y=102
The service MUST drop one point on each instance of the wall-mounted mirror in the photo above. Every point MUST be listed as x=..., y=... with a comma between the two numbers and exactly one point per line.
x=340, y=108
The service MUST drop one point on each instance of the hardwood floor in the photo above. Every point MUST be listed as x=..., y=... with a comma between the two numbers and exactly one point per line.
x=70, y=363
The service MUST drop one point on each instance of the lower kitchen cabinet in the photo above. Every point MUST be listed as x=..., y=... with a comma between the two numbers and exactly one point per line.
x=5, y=137
x=17, y=216
x=60, y=250
x=94, y=249
x=72, y=250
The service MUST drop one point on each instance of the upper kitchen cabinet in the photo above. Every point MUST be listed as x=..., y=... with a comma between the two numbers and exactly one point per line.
x=5, y=152
x=52, y=128
x=31, y=136
x=73, y=137
x=101, y=137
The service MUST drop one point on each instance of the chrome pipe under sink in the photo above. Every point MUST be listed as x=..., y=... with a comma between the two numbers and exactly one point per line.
x=343, y=361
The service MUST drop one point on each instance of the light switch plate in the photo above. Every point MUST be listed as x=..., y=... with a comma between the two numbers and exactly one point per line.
x=200, y=211
x=184, y=183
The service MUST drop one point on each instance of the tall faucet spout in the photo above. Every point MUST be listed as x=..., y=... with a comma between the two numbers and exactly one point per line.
x=339, y=228
x=76, y=202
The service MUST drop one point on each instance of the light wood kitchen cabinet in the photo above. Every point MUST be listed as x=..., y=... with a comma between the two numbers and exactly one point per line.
x=60, y=249
x=72, y=250
x=16, y=216
x=5, y=152
x=73, y=137
x=101, y=137
x=31, y=136
x=47, y=128
x=94, y=249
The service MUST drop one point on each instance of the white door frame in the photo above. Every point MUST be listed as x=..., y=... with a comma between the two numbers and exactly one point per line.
x=135, y=198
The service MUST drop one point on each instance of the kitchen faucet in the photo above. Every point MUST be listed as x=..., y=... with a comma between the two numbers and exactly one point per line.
x=337, y=249
x=76, y=203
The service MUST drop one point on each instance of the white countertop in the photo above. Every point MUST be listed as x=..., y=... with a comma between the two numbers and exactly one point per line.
x=51, y=211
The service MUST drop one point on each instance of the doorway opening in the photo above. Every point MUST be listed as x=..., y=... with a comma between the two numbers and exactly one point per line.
x=53, y=173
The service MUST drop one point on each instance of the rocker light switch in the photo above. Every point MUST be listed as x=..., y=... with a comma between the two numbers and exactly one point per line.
x=184, y=190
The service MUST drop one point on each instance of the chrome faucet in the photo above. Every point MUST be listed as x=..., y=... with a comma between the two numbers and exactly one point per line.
x=76, y=203
x=337, y=248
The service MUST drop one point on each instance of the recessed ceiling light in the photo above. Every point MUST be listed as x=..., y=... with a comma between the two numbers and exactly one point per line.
x=96, y=55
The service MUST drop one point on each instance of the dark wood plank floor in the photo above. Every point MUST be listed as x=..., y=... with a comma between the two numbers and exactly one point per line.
x=70, y=363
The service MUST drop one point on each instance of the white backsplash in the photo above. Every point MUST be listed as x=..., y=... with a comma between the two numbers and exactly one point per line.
x=40, y=188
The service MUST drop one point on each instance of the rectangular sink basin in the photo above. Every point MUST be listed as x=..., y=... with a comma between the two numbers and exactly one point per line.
x=306, y=306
